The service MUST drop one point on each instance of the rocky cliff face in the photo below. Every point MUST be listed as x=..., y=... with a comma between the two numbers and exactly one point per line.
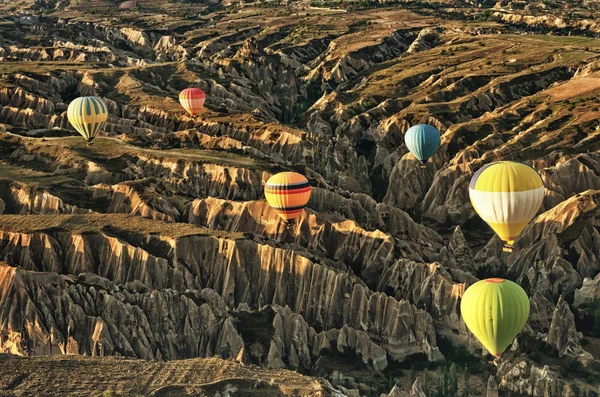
x=333, y=308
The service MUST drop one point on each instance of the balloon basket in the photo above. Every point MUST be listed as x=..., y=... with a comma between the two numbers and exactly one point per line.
x=423, y=166
x=290, y=223
x=507, y=248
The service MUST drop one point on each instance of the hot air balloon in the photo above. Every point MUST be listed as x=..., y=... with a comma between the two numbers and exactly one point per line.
x=495, y=310
x=87, y=115
x=192, y=100
x=506, y=195
x=288, y=193
x=422, y=140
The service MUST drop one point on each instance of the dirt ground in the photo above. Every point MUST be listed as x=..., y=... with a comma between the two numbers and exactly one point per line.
x=113, y=376
x=573, y=88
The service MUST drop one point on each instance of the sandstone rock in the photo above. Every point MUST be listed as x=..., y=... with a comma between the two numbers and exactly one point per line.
x=541, y=312
x=378, y=328
x=417, y=389
x=359, y=276
x=545, y=243
x=526, y=377
x=395, y=392
x=461, y=252
x=588, y=293
x=562, y=334
x=492, y=387
x=424, y=41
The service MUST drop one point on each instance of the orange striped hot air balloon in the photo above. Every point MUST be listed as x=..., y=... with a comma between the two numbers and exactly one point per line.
x=288, y=193
x=192, y=100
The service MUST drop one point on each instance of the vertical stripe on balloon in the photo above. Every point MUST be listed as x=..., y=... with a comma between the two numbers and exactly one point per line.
x=495, y=310
x=87, y=115
x=192, y=100
x=422, y=140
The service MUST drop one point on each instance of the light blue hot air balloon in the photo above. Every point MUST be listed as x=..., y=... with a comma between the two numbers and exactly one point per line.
x=422, y=140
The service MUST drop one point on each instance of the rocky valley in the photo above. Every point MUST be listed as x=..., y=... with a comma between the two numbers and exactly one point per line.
x=152, y=262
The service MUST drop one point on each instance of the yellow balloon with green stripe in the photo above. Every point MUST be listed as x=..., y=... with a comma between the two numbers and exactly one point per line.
x=87, y=115
x=288, y=193
x=495, y=311
x=506, y=195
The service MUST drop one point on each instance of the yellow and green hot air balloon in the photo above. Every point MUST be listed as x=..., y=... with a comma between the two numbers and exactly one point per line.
x=495, y=310
x=87, y=115
x=288, y=193
x=506, y=195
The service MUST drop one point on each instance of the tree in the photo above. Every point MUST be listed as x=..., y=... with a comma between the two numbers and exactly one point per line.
x=485, y=376
x=439, y=391
x=447, y=382
x=596, y=306
x=466, y=375
x=426, y=383
x=452, y=381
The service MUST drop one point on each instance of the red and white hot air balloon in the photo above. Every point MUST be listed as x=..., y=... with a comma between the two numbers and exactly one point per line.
x=192, y=100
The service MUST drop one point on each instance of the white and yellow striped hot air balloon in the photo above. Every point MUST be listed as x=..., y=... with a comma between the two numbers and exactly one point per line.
x=506, y=195
x=87, y=115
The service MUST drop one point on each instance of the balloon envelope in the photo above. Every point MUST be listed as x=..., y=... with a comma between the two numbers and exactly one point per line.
x=288, y=193
x=422, y=140
x=506, y=195
x=192, y=100
x=87, y=115
x=495, y=310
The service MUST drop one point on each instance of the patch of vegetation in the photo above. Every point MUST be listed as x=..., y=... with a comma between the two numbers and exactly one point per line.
x=445, y=383
x=97, y=223
x=324, y=3
x=457, y=353
x=571, y=367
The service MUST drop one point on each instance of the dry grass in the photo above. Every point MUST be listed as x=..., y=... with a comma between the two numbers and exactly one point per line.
x=573, y=88
x=53, y=376
x=30, y=177
x=46, y=66
x=96, y=223
x=106, y=149
x=500, y=59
